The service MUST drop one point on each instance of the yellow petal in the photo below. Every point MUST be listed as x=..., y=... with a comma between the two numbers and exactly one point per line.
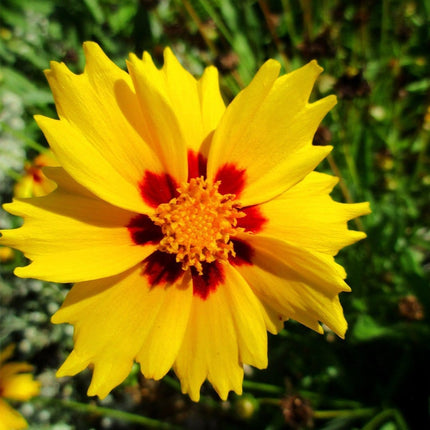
x=34, y=183
x=314, y=267
x=267, y=131
x=314, y=184
x=14, y=367
x=161, y=345
x=297, y=283
x=100, y=138
x=28, y=187
x=112, y=319
x=224, y=331
x=212, y=104
x=311, y=219
x=20, y=387
x=6, y=353
x=274, y=320
x=183, y=96
x=71, y=235
x=248, y=317
x=180, y=112
x=159, y=119
x=10, y=419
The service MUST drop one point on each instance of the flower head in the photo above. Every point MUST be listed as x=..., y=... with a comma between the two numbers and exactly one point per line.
x=34, y=183
x=190, y=228
x=6, y=254
x=14, y=385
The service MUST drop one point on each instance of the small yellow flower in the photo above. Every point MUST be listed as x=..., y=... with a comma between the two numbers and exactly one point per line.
x=190, y=228
x=34, y=183
x=14, y=385
x=6, y=254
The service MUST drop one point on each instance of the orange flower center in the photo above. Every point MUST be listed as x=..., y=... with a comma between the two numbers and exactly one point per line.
x=197, y=225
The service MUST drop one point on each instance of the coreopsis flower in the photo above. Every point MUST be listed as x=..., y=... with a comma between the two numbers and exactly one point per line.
x=34, y=183
x=14, y=385
x=6, y=254
x=190, y=228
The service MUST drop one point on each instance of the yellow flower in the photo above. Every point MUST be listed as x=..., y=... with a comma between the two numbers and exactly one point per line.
x=14, y=385
x=34, y=183
x=6, y=254
x=190, y=228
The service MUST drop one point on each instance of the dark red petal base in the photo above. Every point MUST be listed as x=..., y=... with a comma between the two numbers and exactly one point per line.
x=161, y=268
x=232, y=179
x=244, y=253
x=143, y=231
x=197, y=164
x=158, y=188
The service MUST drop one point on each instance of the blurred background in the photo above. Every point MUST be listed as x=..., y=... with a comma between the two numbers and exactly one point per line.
x=376, y=59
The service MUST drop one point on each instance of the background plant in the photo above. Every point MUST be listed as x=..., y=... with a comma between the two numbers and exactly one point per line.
x=375, y=56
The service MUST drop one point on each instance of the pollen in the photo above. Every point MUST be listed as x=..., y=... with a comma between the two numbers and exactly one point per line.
x=198, y=224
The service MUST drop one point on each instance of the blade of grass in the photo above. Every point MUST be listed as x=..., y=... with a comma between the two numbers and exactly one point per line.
x=272, y=29
x=107, y=412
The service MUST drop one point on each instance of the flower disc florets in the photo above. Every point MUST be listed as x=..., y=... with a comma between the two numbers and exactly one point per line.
x=197, y=225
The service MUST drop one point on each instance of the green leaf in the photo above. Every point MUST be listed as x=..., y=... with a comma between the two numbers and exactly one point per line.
x=366, y=328
x=19, y=84
x=418, y=86
x=96, y=11
x=389, y=426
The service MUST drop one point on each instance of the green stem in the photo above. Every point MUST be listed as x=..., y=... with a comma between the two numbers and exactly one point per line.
x=206, y=400
x=307, y=18
x=173, y=383
x=424, y=137
x=195, y=17
x=290, y=24
x=383, y=416
x=150, y=423
x=27, y=141
x=267, y=388
x=327, y=414
x=385, y=25
x=220, y=26
x=209, y=9
x=344, y=413
x=14, y=175
x=334, y=403
x=272, y=29
x=269, y=401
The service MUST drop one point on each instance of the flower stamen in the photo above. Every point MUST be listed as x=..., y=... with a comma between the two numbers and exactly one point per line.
x=197, y=225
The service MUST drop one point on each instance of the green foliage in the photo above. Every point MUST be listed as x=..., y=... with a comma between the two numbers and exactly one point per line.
x=375, y=56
